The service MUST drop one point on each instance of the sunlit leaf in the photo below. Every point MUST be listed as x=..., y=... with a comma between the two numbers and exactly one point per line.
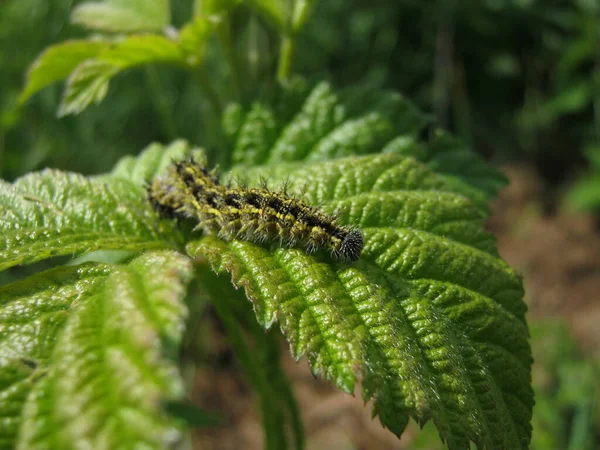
x=52, y=213
x=87, y=355
x=57, y=62
x=123, y=15
x=88, y=83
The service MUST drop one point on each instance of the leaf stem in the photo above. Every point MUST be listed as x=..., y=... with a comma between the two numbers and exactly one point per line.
x=300, y=12
x=226, y=310
x=286, y=54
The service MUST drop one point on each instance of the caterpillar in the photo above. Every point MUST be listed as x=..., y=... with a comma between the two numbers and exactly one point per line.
x=190, y=191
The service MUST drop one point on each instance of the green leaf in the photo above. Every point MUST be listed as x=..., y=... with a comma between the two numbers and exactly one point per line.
x=52, y=213
x=16, y=381
x=32, y=312
x=88, y=83
x=456, y=164
x=430, y=319
x=142, y=49
x=153, y=160
x=104, y=337
x=57, y=62
x=193, y=38
x=123, y=16
x=450, y=157
x=328, y=125
x=584, y=195
x=355, y=121
x=90, y=65
x=256, y=135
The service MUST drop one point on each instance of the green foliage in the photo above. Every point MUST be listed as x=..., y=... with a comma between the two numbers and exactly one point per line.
x=57, y=62
x=88, y=65
x=585, y=193
x=85, y=354
x=518, y=78
x=567, y=414
x=429, y=320
x=153, y=160
x=54, y=213
x=397, y=317
x=331, y=125
x=91, y=65
x=145, y=105
x=123, y=15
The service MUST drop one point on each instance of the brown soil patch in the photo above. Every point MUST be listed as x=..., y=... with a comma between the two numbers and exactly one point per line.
x=557, y=254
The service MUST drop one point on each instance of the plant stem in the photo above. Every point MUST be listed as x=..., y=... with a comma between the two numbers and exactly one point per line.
x=286, y=54
x=301, y=10
x=235, y=328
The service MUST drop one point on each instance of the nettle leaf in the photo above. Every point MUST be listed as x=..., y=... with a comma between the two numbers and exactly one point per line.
x=89, y=66
x=123, y=15
x=356, y=121
x=153, y=160
x=88, y=83
x=52, y=213
x=460, y=168
x=16, y=381
x=32, y=312
x=328, y=125
x=463, y=169
x=87, y=354
x=57, y=62
x=429, y=319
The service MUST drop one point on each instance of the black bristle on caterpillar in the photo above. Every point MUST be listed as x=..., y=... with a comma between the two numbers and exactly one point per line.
x=189, y=190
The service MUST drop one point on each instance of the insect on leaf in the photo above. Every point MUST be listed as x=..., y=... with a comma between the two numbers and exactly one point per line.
x=429, y=319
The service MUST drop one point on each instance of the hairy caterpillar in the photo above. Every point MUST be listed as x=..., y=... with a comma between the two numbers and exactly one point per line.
x=189, y=190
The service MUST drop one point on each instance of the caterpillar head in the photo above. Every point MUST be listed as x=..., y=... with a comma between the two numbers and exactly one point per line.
x=351, y=246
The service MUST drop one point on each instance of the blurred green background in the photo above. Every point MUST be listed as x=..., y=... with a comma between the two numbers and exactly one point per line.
x=518, y=79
